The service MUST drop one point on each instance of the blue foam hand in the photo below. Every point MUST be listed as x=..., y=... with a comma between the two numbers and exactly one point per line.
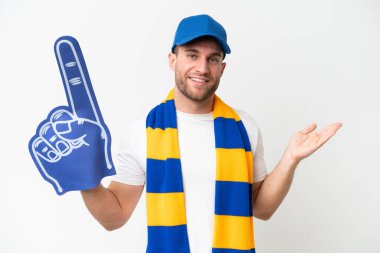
x=72, y=147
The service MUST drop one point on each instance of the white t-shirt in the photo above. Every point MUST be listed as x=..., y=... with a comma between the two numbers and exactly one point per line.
x=198, y=163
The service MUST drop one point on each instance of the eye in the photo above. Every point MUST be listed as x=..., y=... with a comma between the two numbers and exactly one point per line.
x=214, y=60
x=191, y=56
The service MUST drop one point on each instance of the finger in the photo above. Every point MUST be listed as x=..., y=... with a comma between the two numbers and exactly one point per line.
x=59, y=145
x=326, y=133
x=330, y=128
x=61, y=115
x=309, y=128
x=43, y=150
x=78, y=88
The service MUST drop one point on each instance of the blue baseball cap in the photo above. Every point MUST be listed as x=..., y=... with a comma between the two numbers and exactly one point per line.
x=194, y=27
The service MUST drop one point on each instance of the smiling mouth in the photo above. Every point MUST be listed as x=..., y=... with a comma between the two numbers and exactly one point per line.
x=198, y=80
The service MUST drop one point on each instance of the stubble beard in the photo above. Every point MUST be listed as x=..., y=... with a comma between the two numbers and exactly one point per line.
x=206, y=94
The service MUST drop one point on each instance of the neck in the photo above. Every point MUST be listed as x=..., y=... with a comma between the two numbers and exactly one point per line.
x=187, y=105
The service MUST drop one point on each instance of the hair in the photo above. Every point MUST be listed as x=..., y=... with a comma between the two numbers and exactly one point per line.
x=175, y=51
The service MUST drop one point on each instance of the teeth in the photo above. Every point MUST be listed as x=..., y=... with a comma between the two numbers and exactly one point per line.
x=197, y=80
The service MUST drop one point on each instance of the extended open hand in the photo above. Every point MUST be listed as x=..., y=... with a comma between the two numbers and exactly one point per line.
x=308, y=140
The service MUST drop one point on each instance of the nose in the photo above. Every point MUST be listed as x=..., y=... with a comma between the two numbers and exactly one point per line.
x=203, y=66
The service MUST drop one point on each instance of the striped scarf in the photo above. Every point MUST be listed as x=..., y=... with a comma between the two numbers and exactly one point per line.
x=166, y=214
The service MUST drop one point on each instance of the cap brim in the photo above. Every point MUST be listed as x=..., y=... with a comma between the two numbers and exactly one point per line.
x=226, y=49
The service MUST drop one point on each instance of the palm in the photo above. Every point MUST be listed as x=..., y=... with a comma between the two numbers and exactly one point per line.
x=307, y=141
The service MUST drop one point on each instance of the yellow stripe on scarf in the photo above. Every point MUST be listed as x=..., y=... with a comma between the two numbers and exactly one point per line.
x=232, y=165
x=166, y=209
x=233, y=232
x=162, y=144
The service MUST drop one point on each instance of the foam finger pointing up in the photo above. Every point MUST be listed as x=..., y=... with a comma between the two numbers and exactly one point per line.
x=76, y=80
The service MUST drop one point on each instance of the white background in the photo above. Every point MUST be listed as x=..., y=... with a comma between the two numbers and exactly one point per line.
x=292, y=63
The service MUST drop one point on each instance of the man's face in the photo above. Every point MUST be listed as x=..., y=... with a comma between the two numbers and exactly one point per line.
x=198, y=67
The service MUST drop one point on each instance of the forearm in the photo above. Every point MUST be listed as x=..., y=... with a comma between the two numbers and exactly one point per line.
x=105, y=207
x=274, y=188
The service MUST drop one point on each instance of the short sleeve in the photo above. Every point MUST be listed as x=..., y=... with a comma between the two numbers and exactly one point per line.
x=129, y=168
x=259, y=161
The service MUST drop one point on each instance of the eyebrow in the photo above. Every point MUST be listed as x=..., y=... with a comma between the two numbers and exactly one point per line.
x=196, y=51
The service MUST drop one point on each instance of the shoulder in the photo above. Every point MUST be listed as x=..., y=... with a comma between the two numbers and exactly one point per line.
x=136, y=124
x=134, y=132
x=252, y=129
x=248, y=121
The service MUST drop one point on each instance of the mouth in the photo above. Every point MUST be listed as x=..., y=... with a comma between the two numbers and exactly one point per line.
x=199, y=81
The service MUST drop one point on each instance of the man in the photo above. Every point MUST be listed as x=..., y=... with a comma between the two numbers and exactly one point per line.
x=198, y=51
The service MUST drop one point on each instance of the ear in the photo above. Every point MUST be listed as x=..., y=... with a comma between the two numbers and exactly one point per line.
x=172, y=60
x=223, y=67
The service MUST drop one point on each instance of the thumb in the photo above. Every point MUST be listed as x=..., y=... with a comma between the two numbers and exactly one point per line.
x=71, y=129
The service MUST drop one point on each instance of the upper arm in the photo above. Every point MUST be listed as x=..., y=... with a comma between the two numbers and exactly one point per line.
x=255, y=190
x=127, y=195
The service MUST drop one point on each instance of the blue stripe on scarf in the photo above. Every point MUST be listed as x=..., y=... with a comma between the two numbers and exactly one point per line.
x=240, y=192
x=164, y=176
x=232, y=251
x=230, y=134
x=171, y=239
x=163, y=116
x=244, y=135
